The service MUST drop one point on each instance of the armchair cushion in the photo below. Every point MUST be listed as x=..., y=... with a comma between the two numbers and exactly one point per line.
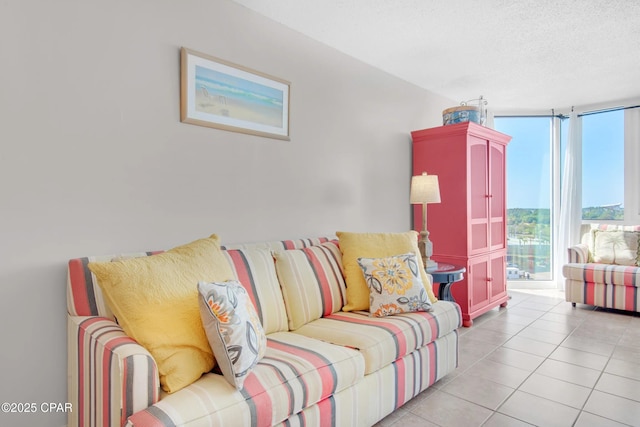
x=607, y=274
x=615, y=247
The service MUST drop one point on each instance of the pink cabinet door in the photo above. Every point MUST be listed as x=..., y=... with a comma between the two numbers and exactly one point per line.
x=497, y=275
x=478, y=275
x=497, y=204
x=486, y=195
x=478, y=162
x=486, y=280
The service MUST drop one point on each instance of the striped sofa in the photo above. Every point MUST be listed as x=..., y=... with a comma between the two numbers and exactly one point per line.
x=588, y=280
x=322, y=366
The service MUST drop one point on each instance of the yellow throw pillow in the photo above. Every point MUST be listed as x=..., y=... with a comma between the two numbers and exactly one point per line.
x=374, y=245
x=155, y=300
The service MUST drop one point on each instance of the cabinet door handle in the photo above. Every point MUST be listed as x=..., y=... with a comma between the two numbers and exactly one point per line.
x=489, y=279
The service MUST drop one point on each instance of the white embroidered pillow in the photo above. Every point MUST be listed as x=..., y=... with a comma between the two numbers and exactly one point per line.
x=616, y=247
x=395, y=285
x=233, y=329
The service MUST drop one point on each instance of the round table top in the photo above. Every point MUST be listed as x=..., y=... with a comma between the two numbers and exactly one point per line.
x=447, y=268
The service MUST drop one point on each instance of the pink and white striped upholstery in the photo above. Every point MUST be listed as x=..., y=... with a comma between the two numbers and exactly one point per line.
x=381, y=340
x=84, y=296
x=602, y=295
x=602, y=285
x=255, y=270
x=383, y=391
x=312, y=282
x=296, y=372
x=102, y=358
x=606, y=274
x=579, y=253
x=100, y=352
x=302, y=380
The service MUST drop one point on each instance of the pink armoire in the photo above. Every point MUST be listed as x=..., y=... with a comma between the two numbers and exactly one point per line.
x=469, y=227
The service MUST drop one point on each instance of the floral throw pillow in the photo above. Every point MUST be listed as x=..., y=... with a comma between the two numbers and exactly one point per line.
x=395, y=285
x=233, y=329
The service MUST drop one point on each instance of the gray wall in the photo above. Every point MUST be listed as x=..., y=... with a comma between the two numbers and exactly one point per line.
x=94, y=159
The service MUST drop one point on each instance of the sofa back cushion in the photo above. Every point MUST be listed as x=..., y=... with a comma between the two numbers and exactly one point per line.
x=312, y=282
x=84, y=296
x=255, y=270
x=277, y=245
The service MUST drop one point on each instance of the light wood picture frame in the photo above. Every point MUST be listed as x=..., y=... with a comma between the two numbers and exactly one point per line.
x=219, y=94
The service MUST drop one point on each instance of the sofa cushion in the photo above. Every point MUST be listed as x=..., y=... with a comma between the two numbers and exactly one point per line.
x=155, y=300
x=394, y=285
x=296, y=372
x=381, y=340
x=312, y=282
x=374, y=245
x=609, y=274
x=616, y=247
x=255, y=270
x=233, y=329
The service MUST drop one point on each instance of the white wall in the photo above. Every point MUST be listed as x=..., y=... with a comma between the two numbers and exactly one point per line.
x=94, y=159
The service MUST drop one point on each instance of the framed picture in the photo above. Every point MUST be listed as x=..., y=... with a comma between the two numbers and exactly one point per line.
x=219, y=94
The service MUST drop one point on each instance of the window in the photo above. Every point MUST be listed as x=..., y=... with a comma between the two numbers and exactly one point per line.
x=610, y=155
x=529, y=198
x=603, y=166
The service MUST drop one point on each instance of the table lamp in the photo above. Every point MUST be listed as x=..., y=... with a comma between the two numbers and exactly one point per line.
x=425, y=189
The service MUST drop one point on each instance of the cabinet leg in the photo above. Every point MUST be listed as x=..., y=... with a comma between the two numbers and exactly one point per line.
x=467, y=323
x=573, y=304
x=504, y=304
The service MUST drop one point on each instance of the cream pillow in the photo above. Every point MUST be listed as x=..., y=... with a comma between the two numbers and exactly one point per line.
x=375, y=245
x=233, y=329
x=155, y=300
x=394, y=285
x=616, y=247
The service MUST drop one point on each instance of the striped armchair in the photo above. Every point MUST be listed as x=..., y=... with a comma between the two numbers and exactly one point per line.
x=603, y=269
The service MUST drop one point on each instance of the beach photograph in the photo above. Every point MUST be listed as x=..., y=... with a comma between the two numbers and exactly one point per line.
x=219, y=94
x=229, y=96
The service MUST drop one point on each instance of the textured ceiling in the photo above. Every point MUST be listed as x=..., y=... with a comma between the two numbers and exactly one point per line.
x=518, y=54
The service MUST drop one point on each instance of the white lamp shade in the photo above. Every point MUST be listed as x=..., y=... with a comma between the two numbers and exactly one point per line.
x=425, y=189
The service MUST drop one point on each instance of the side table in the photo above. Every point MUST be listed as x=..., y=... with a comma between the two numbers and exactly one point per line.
x=446, y=275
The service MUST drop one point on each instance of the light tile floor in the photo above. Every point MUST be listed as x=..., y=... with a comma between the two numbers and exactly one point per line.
x=539, y=361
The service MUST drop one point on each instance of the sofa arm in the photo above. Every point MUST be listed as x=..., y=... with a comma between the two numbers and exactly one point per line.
x=579, y=254
x=110, y=376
